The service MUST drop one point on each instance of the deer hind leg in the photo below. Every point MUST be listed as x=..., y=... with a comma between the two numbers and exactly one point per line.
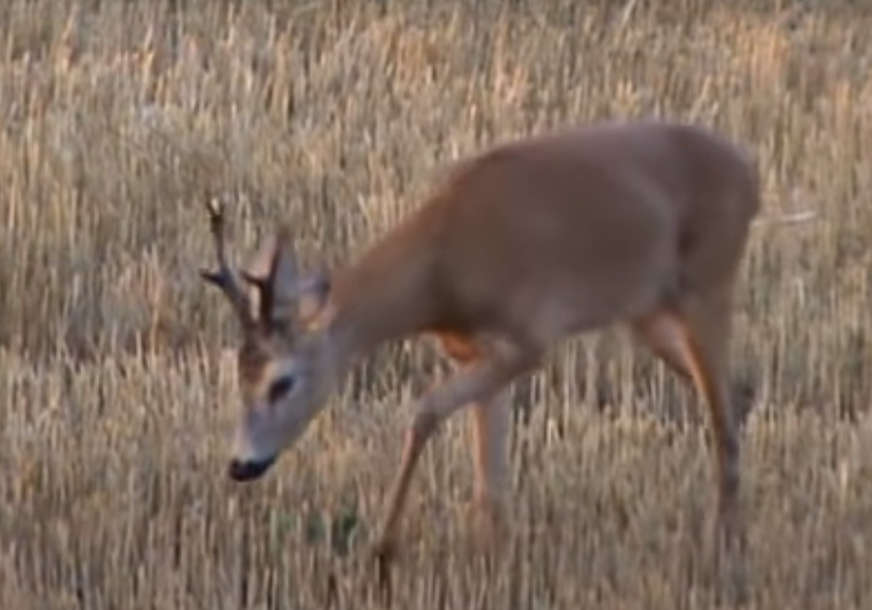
x=665, y=345
x=661, y=338
x=477, y=383
x=694, y=340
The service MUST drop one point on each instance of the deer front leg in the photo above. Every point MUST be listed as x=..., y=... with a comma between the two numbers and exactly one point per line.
x=482, y=380
x=490, y=428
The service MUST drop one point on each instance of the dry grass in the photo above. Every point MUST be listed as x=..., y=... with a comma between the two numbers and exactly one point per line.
x=114, y=117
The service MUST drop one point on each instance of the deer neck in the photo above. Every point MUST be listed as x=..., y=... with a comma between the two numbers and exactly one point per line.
x=386, y=295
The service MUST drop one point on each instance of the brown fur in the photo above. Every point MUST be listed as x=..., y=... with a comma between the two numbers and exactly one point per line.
x=608, y=220
x=519, y=247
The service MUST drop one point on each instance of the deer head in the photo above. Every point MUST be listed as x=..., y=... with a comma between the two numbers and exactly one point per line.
x=281, y=363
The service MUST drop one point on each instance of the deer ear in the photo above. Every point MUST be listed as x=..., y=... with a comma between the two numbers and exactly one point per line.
x=297, y=298
x=284, y=279
x=287, y=299
x=313, y=292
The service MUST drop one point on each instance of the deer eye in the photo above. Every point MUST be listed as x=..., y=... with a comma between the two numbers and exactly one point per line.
x=280, y=387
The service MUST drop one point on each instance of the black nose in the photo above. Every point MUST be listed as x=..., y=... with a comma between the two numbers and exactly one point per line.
x=246, y=470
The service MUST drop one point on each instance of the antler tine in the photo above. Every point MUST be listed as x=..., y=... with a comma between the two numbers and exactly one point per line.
x=264, y=288
x=224, y=277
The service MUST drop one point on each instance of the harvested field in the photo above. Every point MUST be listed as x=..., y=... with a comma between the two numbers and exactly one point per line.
x=117, y=379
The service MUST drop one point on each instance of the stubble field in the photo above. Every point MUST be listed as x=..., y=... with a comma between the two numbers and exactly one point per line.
x=117, y=383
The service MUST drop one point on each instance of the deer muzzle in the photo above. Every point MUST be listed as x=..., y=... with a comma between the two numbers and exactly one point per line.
x=247, y=470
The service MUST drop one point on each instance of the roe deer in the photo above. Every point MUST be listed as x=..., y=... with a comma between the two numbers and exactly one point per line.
x=519, y=247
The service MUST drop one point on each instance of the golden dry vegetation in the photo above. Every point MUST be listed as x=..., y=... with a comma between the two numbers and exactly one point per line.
x=117, y=382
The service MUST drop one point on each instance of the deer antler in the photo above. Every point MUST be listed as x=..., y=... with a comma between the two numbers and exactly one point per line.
x=264, y=288
x=224, y=277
